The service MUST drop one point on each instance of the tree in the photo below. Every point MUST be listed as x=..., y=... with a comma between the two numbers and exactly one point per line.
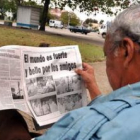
x=89, y=20
x=9, y=5
x=69, y=18
x=101, y=21
x=2, y=9
x=19, y=2
x=12, y=5
x=44, y=14
x=84, y=5
x=5, y=5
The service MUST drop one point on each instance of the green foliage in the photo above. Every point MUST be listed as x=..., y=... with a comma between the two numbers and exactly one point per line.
x=12, y=5
x=4, y=6
x=65, y=17
x=70, y=18
x=101, y=21
x=30, y=3
x=89, y=20
x=9, y=6
x=94, y=5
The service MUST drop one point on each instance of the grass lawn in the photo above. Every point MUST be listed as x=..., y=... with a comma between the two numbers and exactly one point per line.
x=13, y=36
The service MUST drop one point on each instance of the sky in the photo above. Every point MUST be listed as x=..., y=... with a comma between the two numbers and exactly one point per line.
x=83, y=16
x=99, y=16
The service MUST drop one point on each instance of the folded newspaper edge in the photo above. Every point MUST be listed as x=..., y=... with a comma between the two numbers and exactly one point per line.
x=41, y=81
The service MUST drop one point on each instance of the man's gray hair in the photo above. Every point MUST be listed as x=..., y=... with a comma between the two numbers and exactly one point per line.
x=126, y=24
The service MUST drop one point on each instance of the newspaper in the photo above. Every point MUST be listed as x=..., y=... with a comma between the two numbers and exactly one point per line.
x=41, y=81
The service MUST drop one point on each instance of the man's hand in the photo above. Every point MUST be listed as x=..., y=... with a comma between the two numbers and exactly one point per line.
x=88, y=76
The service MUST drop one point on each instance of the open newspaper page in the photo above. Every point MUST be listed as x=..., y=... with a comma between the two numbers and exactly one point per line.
x=52, y=87
x=11, y=83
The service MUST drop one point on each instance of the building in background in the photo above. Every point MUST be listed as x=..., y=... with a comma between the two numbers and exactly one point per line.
x=28, y=17
x=56, y=12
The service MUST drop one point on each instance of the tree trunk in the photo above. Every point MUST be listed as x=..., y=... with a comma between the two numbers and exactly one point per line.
x=44, y=15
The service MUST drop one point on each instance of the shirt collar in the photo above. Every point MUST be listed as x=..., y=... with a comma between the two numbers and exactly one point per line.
x=129, y=90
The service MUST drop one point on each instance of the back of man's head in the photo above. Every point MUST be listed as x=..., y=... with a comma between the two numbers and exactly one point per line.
x=126, y=24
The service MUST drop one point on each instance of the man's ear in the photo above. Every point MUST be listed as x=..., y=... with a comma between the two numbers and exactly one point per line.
x=129, y=47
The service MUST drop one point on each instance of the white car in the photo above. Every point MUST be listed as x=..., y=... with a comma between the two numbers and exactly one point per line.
x=56, y=24
x=103, y=30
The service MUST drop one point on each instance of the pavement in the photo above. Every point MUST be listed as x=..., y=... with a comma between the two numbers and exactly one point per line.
x=92, y=37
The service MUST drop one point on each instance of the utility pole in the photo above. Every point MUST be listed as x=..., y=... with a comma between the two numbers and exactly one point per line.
x=68, y=19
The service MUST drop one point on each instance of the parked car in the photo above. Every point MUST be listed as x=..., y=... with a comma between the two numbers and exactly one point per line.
x=80, y=29
x=103, y=30
x=56, y=23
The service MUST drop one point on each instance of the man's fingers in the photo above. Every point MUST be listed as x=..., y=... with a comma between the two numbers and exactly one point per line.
x=80, y=72
x=87, y=66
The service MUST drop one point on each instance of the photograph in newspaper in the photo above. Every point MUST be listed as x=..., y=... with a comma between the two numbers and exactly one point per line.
x=68, y=84
x=44, y=106
x=70, y=102
x=16, y=90
x=40, y=85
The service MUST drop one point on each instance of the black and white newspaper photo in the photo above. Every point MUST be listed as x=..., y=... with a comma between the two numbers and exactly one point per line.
x=52, y=88
x=40, y=85
x=68, y=84
x=45, y=105
x=70, y=102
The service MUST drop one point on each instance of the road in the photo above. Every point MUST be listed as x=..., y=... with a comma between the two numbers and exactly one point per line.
x=92, y=37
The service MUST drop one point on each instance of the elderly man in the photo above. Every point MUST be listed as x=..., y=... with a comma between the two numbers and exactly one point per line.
x=115, y=116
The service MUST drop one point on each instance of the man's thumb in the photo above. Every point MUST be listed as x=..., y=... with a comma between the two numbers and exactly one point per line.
x=80, y=72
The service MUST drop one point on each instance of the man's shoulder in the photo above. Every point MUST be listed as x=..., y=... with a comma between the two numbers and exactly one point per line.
x=124, y=126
